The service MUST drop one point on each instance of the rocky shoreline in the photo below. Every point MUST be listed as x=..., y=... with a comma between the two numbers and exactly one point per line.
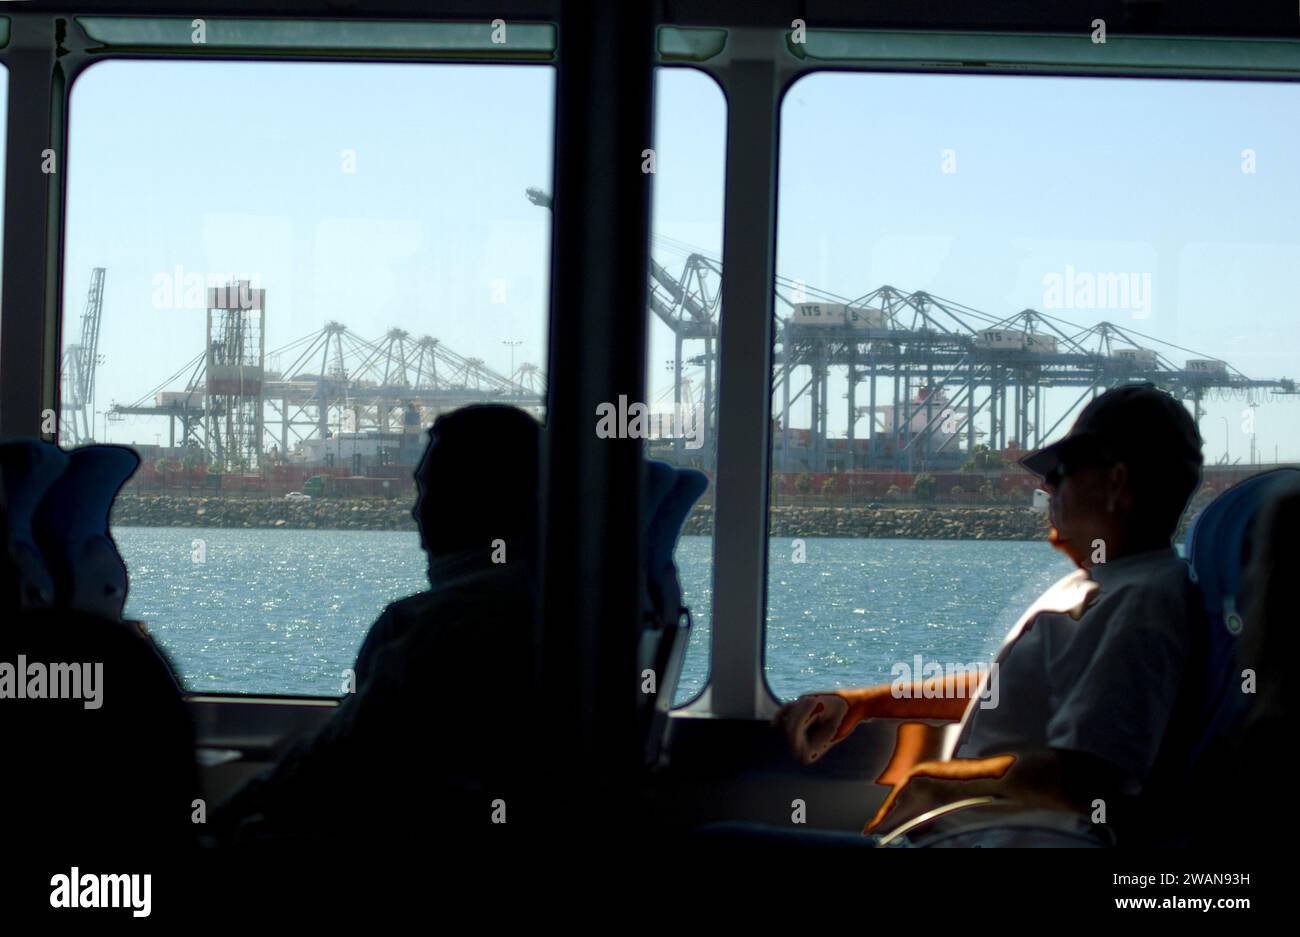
x=895, y=522
x=318, y=514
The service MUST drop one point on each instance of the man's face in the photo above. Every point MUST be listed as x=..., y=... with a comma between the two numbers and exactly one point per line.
x=1082, y=509
x=424, y=480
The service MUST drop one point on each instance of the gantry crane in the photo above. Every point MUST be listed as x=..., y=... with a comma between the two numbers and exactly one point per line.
x=77, y=384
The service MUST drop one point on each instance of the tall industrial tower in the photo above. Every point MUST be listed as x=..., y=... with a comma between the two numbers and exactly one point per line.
x=77, y=381
x=236, y=352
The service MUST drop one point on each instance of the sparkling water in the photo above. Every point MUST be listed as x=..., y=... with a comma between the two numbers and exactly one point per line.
x=284, y=611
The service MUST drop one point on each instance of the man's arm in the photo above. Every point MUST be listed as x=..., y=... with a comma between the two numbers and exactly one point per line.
x=816, y=721
x=939, y=698
x=1046, y=777
x=311, y=770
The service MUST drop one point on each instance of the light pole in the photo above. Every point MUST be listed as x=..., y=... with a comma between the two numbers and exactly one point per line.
x=678, y=420
x=542, y=200
x=1227, y=456
x=512, y=345
x=94, y=393
x=1253, y=409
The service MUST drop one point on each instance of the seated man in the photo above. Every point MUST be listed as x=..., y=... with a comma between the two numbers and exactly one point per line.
x=1096, y=677
x=406, y=753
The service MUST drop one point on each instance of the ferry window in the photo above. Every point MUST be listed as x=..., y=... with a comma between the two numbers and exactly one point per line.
x=685, y=282
x=357, y=242
x=963, y=262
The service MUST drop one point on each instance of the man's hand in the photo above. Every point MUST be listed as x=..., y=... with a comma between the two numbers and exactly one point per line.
x=932, y=784
x=810, y=724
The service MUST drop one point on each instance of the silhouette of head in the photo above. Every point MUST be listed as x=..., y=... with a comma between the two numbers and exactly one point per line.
x=1123, y=475
x=477, y=482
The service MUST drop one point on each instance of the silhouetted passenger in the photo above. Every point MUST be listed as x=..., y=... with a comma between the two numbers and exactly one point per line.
x=406, y=754
x=99, y=754
x=1096, y=681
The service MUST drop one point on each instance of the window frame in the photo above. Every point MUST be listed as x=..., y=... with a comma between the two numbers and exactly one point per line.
x=755, y=69
x=42, y=71
x=41, y=81
x=684, y=50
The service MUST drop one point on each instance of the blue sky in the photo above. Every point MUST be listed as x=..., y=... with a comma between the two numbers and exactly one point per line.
x=1101, y=175
x=239, y=167
x=223, y=167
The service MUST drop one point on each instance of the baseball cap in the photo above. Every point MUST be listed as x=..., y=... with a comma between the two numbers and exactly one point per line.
x=1137, y=424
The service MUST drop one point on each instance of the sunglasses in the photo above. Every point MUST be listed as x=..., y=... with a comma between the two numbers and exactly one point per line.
x=1057, y=473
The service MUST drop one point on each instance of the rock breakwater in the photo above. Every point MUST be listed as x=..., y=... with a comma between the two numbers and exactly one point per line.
x=907, y=523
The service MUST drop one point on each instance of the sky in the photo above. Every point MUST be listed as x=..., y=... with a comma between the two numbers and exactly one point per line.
x=393, y=196
x=1136, y=176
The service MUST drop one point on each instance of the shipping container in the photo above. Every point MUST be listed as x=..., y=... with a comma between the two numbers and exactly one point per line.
x=1001, y=339
x=1144, y=357
x=818, y=314
x=864, y=317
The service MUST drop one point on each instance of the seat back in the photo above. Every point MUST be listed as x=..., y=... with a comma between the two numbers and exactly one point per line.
x=1218, y=550
x=28, y=467
x=665, y=629
x=71, y=526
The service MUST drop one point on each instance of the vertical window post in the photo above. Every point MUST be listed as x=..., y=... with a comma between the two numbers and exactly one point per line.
x=592, y=576
x=33, y=206
x=737, y=689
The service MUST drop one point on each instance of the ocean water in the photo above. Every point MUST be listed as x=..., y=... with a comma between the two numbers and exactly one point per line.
x=284, y=611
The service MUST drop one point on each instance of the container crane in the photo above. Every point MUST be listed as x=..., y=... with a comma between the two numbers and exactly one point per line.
x=77, y=403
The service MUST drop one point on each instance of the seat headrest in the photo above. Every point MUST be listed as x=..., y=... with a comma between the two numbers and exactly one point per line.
x=1218, y=543
x=71, y=528
x=1218, y=551
x=670, y=494
x=28, y=467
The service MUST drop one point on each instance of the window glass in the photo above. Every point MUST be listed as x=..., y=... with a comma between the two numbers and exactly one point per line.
x=965, y=261
x=276, y=275
x=685, y=307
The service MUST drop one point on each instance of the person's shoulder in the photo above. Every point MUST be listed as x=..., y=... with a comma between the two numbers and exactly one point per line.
x=411, y=606
x=482, y=576
x=1160, y=596
x=1171, y=570
x=469, y=594
x=1160, y=578
x=392, y=624
x=67, y=631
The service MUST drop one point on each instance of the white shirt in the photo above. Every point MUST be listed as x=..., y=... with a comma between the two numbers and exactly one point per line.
x=1093, y=666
